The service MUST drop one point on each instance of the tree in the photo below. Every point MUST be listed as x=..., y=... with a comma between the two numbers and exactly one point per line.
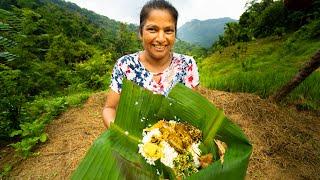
x=11, y=97
x=126, y=41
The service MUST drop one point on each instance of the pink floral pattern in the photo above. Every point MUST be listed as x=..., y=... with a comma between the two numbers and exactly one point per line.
x=183, y=69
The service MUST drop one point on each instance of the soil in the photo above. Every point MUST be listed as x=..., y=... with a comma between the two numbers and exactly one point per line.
x=286, y=143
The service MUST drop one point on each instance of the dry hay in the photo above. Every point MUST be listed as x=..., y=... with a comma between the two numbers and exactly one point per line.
x=285, y=143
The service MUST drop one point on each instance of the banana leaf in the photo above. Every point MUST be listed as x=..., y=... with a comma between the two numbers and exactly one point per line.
x=114, y=155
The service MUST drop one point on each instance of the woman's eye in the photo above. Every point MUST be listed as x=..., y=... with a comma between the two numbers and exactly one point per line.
x=151, y=29
x=169, y=31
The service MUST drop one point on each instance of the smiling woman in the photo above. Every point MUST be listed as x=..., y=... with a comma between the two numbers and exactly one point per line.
x=156, y=68
x=158, y=37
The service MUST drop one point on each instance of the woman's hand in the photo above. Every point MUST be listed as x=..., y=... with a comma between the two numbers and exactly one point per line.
x=109, y=110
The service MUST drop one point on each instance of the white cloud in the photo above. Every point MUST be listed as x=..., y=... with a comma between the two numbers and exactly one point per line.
x=128, y=10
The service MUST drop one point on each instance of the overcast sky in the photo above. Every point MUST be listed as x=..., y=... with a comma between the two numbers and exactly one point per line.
x=128, y=10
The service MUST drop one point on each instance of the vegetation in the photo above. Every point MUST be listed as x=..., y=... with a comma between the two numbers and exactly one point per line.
x=269, y=18
x=52, y=55
x=263, y=66
x=194, y=50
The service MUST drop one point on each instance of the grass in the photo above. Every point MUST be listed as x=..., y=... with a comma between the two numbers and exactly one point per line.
x=261, y=67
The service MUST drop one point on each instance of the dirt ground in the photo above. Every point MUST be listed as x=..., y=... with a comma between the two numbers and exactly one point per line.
x=286, y=143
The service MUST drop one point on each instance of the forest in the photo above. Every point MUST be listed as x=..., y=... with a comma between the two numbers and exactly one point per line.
x=54, y=55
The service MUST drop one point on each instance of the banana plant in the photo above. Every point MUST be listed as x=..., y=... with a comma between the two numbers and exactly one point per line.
x=114, y=155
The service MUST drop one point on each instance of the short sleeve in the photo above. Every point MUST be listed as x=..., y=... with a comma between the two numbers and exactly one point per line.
x=117, y=77
x=192, y=74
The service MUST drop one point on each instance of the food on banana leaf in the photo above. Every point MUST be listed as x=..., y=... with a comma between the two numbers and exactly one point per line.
x=176, y=144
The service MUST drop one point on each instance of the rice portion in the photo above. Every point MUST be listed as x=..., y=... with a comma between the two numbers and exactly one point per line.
x=169, y=154
x=173, y=144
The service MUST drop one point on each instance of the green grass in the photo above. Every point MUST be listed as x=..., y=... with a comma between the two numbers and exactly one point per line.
x=261, y=67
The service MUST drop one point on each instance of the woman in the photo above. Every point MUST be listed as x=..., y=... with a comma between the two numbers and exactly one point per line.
x=155, y=68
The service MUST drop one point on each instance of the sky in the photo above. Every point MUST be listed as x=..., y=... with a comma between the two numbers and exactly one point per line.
x=128, y=10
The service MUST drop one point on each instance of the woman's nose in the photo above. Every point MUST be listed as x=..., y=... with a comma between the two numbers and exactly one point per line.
x=161, y=36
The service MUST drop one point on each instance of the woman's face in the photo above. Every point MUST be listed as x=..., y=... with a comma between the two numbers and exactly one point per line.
x=158, y=34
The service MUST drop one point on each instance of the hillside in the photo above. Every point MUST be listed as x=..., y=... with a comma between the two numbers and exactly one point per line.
x=52, y=48
x=203, y=33
x=262, y=66
x=283, y=139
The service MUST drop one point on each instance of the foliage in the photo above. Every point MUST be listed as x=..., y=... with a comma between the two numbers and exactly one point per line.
x=50, y=50
x=308, y=31
x=5, y=170
x=196, y=51
x=271, y=18
x=126, y=41
x=266, y=18
x=65, y=53
x=91, y=72
x=11, y=97
x=10, y=100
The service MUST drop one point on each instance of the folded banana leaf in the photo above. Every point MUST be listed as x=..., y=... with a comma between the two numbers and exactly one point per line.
x=114, y=155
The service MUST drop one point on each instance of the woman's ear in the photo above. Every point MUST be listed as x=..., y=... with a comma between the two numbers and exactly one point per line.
x=140, y=35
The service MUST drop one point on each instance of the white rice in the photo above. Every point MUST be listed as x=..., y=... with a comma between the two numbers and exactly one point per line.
x=169, y=153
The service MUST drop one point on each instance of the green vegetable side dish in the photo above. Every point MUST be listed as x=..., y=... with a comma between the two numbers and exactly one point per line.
x=114, y=155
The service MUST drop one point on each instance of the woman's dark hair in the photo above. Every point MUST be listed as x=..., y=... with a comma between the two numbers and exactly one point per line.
x=157, y=4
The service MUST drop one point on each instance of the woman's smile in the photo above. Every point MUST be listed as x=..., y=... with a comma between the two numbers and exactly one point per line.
x=160, y=47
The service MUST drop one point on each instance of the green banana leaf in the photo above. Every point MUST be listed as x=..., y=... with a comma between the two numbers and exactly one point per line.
x=114, y=155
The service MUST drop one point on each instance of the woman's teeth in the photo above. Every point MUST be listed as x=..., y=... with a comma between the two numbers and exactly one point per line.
x=159, y=47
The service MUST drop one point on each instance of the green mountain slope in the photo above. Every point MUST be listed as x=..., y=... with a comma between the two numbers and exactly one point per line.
x=53, y=48
x=203, y=33
x=262, y=66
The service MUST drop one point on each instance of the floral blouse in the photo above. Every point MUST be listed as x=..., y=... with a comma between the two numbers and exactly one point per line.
x=183, y=69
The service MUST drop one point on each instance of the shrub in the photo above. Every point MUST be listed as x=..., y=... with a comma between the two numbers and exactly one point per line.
x=95, y=71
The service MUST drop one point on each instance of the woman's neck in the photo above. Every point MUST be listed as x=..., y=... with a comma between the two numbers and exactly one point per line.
x=155, y=65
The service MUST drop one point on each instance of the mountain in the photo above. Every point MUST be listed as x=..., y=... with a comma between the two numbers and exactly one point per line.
x=203, y=33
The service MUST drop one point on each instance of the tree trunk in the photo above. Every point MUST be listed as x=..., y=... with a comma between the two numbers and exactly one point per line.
x=303, y=73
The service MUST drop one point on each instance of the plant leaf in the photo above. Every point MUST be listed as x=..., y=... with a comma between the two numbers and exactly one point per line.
x=43, y=137
x=114, y=155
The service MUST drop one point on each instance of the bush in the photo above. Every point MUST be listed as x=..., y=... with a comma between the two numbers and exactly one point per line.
x=309, y=31
x=11, y=100
x=95, y=73
x=272, y=17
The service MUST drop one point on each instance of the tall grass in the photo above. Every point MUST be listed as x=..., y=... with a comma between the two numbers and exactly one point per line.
x=261, y=67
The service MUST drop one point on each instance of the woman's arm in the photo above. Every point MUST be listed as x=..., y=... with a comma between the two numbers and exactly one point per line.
x=109, y=110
